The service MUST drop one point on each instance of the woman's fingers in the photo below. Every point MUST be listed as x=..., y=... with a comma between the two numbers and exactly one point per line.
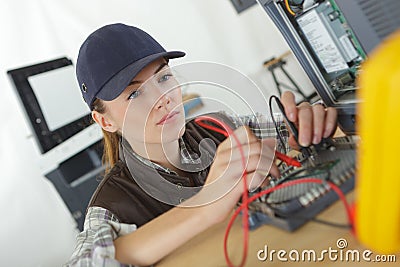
x=243, y=134
x=313, y=122
x=289, y=103
x=256, y=156
x=259, y=168
x=305, y=118
x=258, y=177
x=330, y=122
x=318, y=123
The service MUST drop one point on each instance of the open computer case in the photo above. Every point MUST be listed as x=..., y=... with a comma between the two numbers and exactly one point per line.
x=331, y=39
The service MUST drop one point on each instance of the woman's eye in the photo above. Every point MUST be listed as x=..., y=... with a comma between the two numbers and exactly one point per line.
x=165, y=77
x=134, y=94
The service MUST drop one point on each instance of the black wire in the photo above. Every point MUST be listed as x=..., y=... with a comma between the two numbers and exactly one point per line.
x=280, y=106
x=333, y=224
x=326, y=169
x=290, y=176
x=316, y=220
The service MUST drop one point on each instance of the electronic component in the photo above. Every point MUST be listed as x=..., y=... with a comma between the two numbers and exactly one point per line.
x=260, y=207
x=334, y=44
x=290, y=207
x=331, y=39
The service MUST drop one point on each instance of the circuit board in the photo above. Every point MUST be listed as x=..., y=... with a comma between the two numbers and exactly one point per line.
x=291, y=207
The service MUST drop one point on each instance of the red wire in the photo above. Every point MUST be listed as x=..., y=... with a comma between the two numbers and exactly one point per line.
x=288, y=160
x=200, y=122
x=227, y=131
x=244, y=205
x=245, y=221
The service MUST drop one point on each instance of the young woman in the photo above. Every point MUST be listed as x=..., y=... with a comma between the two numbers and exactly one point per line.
x=134, y=218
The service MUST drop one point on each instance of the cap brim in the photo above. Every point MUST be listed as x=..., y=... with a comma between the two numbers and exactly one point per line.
x=117, y=84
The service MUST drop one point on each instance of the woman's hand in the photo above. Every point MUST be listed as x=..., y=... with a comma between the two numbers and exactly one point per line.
x=314, y=122
x=224, y=184
x=211, y=205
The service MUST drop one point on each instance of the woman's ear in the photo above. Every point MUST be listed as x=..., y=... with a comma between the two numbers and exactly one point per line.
x=104, y=121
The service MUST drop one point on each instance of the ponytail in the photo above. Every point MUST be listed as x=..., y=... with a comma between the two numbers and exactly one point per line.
x=110, y=150
x=110, y=141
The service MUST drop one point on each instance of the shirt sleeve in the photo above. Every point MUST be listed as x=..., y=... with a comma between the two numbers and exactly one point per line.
x=264, y=126
x=95, y=244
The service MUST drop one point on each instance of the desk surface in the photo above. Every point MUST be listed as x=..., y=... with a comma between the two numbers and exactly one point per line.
x=206, y=249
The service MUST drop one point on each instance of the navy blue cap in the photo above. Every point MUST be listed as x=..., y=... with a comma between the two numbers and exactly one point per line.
x=112, y=56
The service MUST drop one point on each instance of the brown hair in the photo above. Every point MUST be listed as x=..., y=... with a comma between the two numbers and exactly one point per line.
x=110, y=140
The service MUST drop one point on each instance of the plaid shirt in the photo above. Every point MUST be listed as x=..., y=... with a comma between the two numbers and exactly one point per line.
x=95, y=244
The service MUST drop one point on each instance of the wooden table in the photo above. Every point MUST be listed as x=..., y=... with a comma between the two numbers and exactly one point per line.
x=206, y=249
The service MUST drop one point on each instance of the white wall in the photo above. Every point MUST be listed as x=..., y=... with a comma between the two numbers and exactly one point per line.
x=36, y=228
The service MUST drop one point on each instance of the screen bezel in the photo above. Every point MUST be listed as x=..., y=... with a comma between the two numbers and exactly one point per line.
x=46, y=139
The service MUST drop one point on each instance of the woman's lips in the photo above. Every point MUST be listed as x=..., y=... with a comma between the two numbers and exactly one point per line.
x=168, y=117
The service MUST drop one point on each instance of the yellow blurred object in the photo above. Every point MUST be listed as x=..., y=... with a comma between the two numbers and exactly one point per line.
x=377, y=213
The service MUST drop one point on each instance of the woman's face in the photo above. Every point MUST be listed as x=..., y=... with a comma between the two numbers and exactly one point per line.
x=150, y=109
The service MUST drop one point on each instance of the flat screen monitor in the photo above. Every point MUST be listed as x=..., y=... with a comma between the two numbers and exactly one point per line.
x=51, y=98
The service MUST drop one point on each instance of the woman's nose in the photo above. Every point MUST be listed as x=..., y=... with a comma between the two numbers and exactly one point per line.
x=163, y=101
